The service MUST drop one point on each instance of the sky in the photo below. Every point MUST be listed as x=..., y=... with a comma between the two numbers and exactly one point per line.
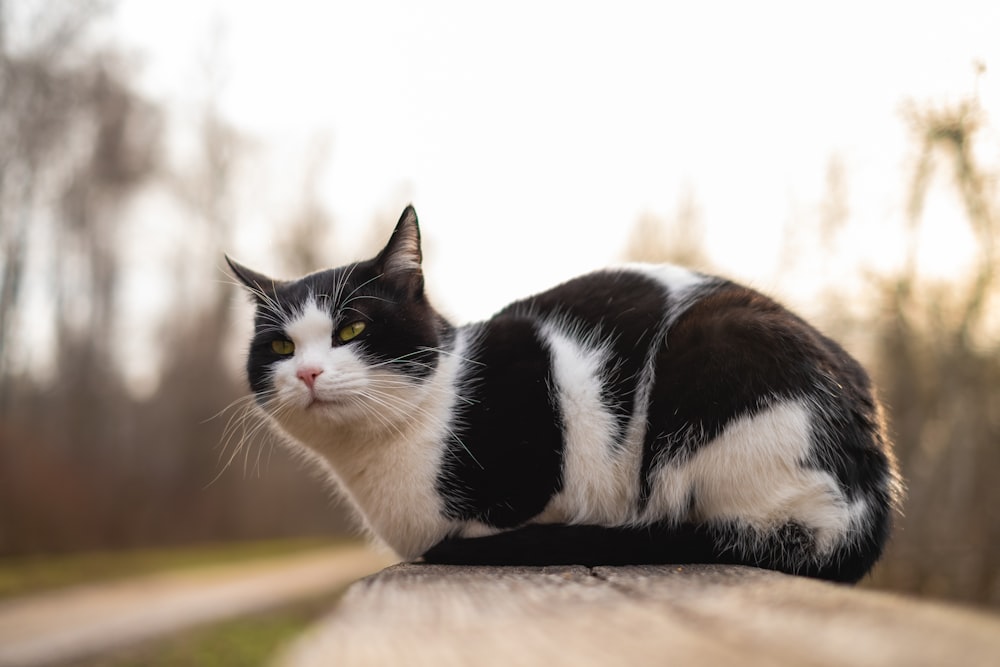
x=532, y=135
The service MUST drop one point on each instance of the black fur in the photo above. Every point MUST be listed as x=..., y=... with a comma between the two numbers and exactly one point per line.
x=559, y=544
x=730, y=353
x=398, y=331
x=506, y=462
x=679, y=369
x=736, y=352
x=624, y=309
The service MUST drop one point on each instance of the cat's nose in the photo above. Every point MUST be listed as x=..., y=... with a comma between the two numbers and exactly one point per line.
x=309, y=374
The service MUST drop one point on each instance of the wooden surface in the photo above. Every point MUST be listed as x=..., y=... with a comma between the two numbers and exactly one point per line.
x=664, y=615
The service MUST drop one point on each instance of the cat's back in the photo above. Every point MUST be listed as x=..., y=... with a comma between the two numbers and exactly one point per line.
x=686, y=354
x=597, y=333
x=652, y=393
x=619, y=306
x=698, y=318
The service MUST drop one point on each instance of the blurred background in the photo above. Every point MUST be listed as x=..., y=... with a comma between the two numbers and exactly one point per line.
x=841, y=158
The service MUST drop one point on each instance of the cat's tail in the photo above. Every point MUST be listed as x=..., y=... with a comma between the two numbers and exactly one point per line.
x=789, y=549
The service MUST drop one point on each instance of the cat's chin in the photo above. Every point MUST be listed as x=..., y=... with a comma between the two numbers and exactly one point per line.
x=300, y=399
x=316, y=403
x=322, y=408
x=332, y=409
x=306, y=422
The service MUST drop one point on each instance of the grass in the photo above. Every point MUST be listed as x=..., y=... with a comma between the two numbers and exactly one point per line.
x=23, y=575
x=244, y=642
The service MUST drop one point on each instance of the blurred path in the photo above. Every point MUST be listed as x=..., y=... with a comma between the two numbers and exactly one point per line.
x=62, y=625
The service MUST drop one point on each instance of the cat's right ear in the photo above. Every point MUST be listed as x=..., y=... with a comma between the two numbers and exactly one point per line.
x=400, y=260
x=402, y=254
x=260, y=286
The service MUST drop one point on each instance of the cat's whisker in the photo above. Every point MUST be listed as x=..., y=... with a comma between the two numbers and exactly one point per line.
x=364, y=402
x=578, y=388
x=232, y=404
x=241, y=408
x=387, y=401
x=405, y=359
x=340, y=282
x=394, y=381
x=242, y=429
x=451, y=353
x=357, y=289
x=370, y=297
x=347, y=309
x=256, y=466
x=390, y=400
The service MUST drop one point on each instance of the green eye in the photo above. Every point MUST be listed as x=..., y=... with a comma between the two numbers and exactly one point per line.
x=351, y=331
x=283, y=347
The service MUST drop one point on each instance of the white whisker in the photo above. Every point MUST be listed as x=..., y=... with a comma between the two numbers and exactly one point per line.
x=390, y=400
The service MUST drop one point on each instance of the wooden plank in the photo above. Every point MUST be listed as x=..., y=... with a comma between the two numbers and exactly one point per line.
x=413, y=614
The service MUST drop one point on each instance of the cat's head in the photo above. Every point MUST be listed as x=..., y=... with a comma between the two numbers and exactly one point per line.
x=346, y=344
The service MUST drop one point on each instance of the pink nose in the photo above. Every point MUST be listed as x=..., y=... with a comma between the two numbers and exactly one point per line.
x=309, y=375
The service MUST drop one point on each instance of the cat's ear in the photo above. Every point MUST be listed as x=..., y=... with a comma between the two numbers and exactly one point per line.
x=260, y=286
x=400, y=260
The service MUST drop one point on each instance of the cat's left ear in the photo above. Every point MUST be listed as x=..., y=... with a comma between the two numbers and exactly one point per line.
x=260, y=286
x=400, y=260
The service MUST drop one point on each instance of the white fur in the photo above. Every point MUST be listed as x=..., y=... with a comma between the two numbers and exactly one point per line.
x=675, y=278
x=752, y=472
x=342, y=372
x=381, y=437
x=598, y=479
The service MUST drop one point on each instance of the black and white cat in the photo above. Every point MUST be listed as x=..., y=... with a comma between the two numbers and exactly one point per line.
x=647, y=414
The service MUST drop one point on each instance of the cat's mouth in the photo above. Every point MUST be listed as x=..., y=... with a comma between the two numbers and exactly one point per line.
x=315, y=402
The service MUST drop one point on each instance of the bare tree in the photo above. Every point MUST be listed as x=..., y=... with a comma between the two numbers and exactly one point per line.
x=934, y=350
x=37, y=116
x=83, y=462
x=77, y=141
x=310, y=226
x=938, y=365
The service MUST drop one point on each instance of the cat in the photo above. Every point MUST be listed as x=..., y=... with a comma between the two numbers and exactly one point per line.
x=644, y=414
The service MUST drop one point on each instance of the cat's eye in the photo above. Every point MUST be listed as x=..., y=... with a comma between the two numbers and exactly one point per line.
x=350, y=332
x=283, y=347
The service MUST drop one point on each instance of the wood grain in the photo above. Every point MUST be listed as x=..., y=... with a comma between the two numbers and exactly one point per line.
x=413, y=614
